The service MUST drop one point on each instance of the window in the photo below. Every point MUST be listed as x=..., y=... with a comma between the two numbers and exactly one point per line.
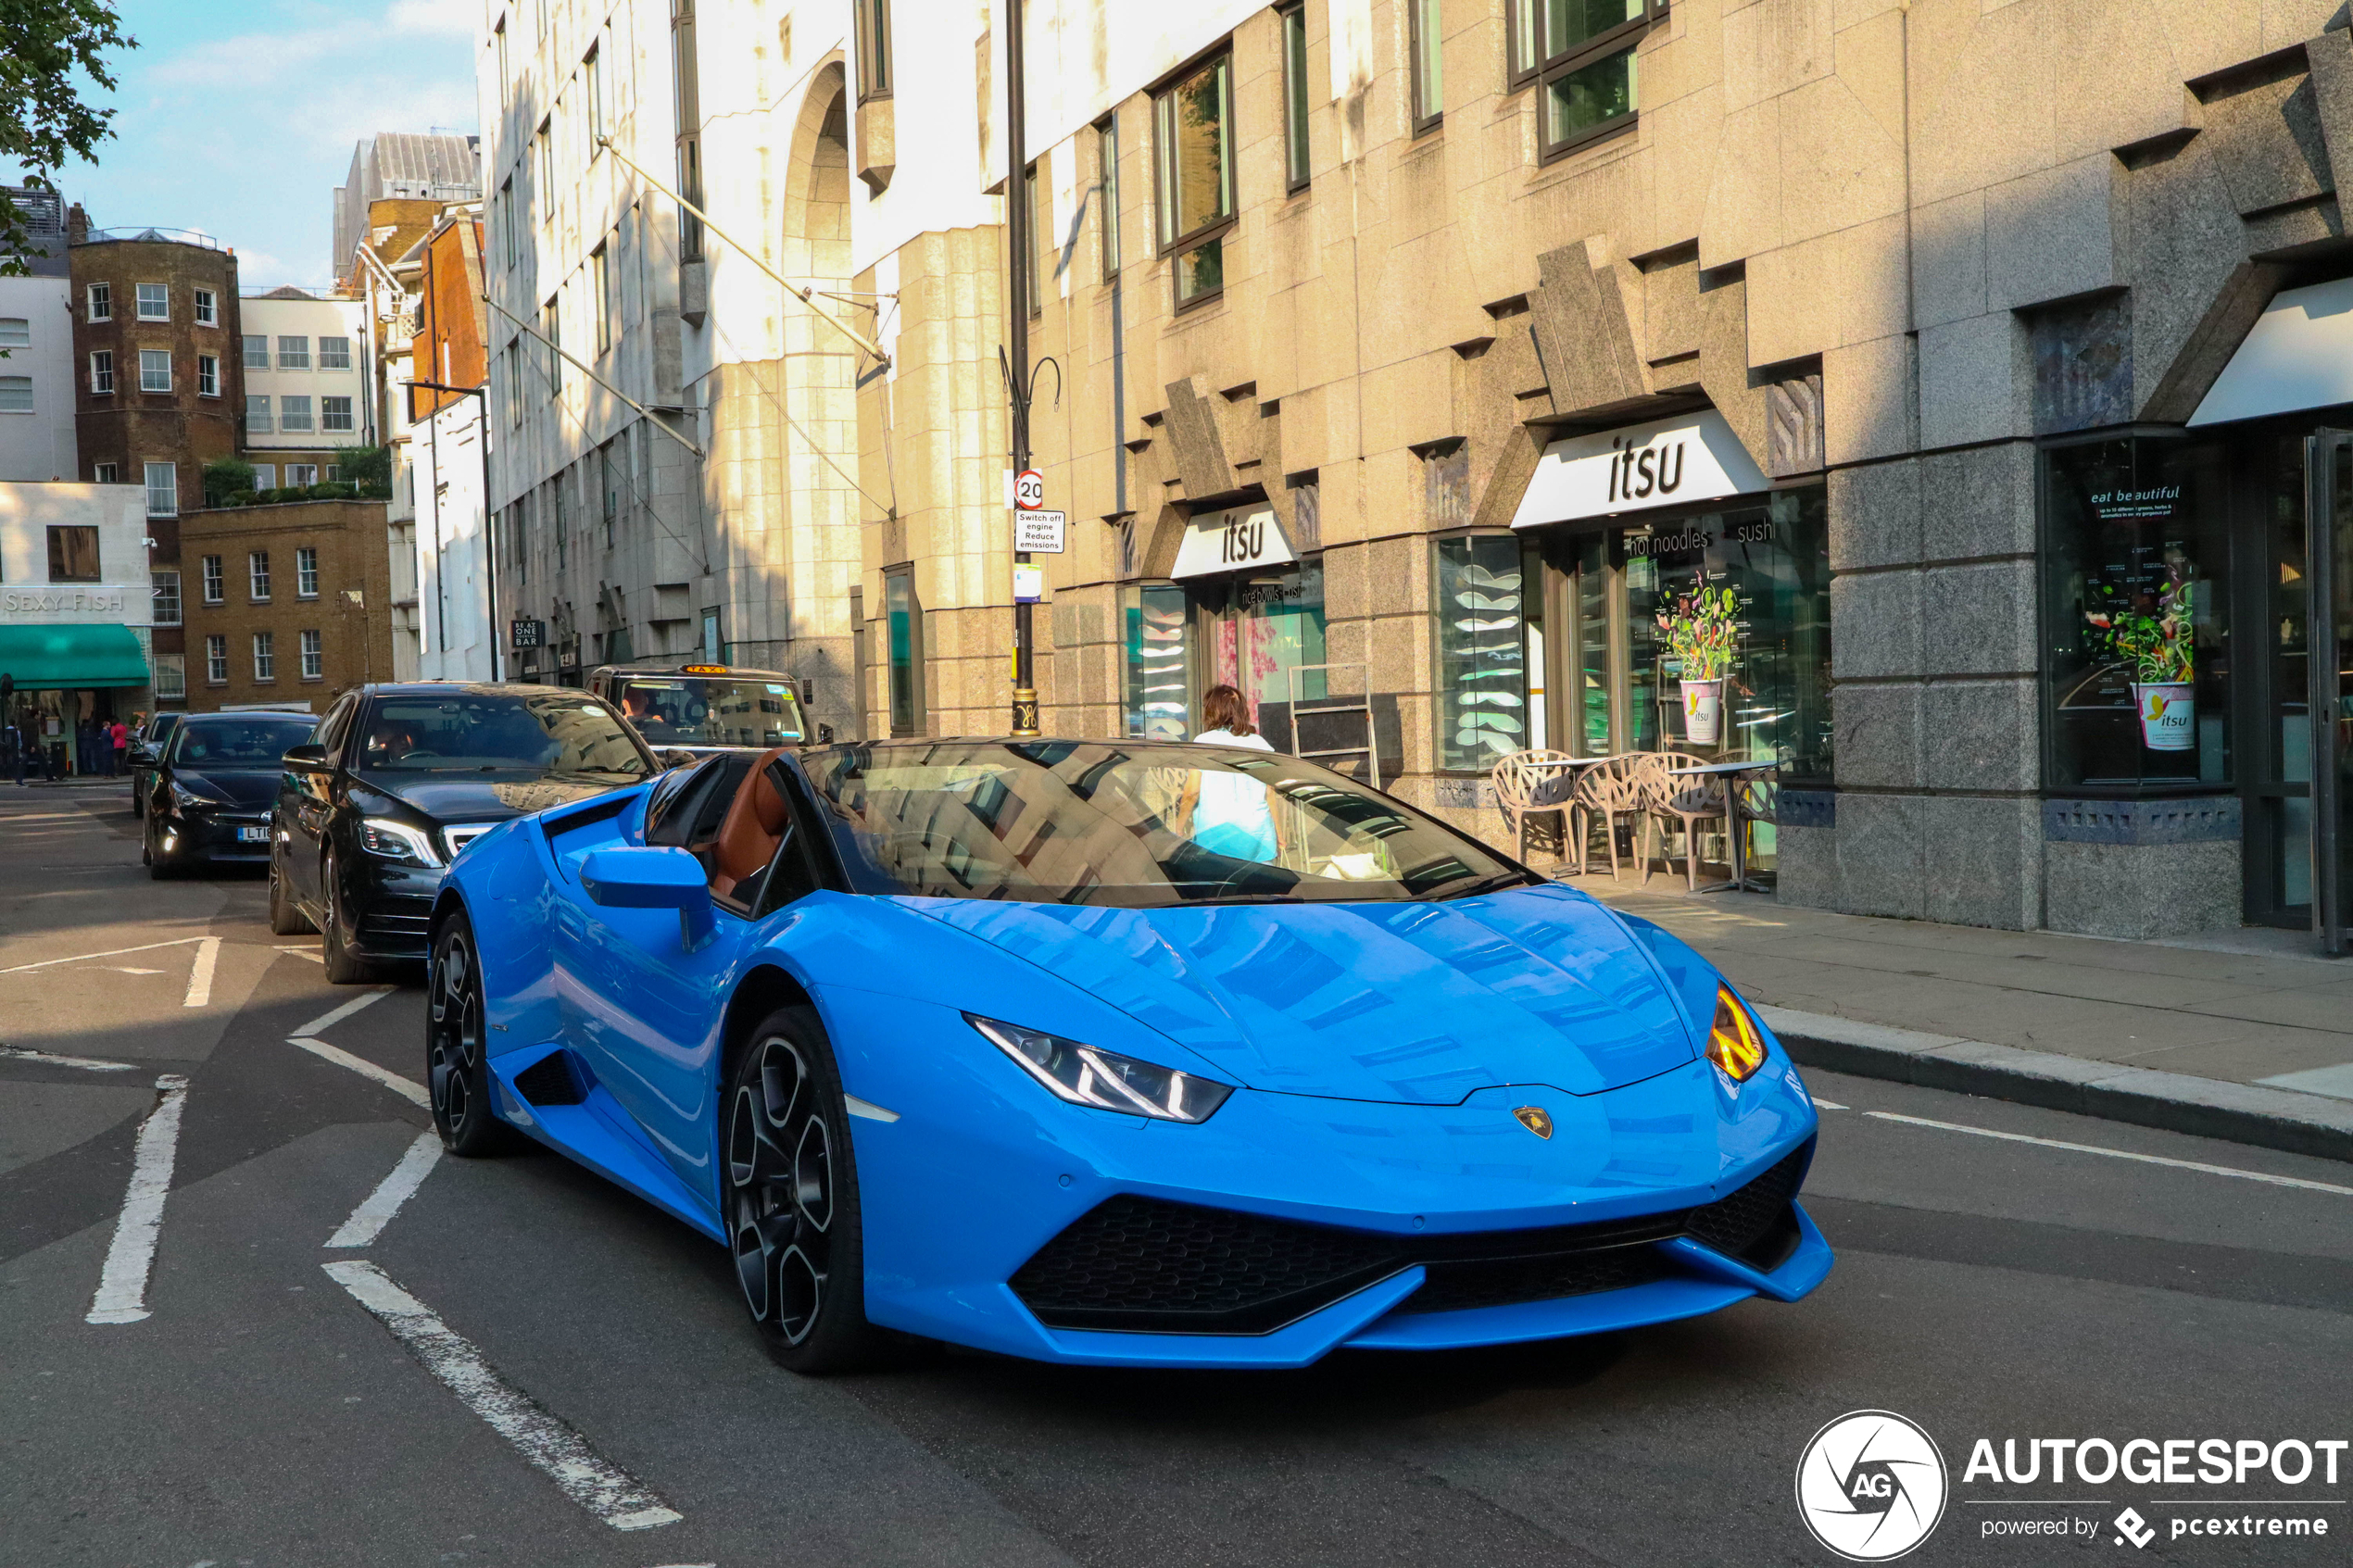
x=1107, y=191
x=15, y=395
x=216, y=660
x=609, y=474
x=155, y=302
x=498, y=37
x=334, y=353
x=163, y=490
x=301, y=476
x=155, y=369
x=333, y=474
x=101, y=297
x=562, y=524
x=1032, y=227
x=334, y=413
x=294, y=354
x=294, y=415
x=873, y=49
x=687, y=107
x=265, y=656
x=600, y=275
x=592, y=83
x=106, y=473
x=306, y=572
x=543, y=147
x=257, y=413
x=1581, y=52
x=507, y=220
x=257, y=353
x=1295, y=97
x=14, y=332
x=514, y=382
x=102, y=372
x=257, y=575
x=215, y=587
x=167, y=585
x=1427, y=42
x=208, y=375
x=171, y=676
x=1157, y=618
x=265, y=476
x=1192, y=124
x=551, y=327
x=207, y=308
x=314, y=657
x=73, y=553
x=904, y=633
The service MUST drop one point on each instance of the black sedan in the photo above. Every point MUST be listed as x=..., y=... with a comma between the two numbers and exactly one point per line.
x=401, y=778
x=210, y=790
x=146, y=750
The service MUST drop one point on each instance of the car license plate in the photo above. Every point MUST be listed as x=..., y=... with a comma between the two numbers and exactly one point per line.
x=253, y=836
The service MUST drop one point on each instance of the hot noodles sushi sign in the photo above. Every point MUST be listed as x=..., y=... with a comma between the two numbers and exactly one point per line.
x=1696, y=457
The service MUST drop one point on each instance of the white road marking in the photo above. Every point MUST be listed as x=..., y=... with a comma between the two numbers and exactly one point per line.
x=408, y=1088
x=200, y=975
x=1827, y=1104
x=584, y=1474
x=109, y=953
x=376, y=1211
x=2118, y=1154
x=338, y=1015
x=313, y=954
x=122, y=1283
x=87, y=1063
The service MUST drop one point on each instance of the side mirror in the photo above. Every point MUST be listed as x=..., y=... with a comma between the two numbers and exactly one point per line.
x=143, y=755
x=656, y=877
x=309, y=758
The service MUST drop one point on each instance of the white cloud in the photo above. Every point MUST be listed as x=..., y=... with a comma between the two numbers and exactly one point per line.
x=458, y=16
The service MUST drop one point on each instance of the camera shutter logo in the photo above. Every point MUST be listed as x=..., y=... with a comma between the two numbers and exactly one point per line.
x=1871, y=1486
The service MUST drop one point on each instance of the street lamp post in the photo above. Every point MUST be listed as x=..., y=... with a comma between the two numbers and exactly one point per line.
x=1017, y=237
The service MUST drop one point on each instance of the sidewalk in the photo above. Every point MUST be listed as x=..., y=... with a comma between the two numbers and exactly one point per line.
x=2244, y=1037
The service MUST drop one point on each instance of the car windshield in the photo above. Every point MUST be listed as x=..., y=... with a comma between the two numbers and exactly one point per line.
x=555, y=733
x=708, y=710
x=1134, y=825
x=238, y=742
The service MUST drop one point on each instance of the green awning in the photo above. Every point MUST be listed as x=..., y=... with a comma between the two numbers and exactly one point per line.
x=49, y=659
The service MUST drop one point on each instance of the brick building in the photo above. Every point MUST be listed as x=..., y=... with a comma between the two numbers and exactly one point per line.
x=286, y=603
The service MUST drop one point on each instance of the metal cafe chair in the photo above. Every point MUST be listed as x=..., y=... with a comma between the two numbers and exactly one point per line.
x=1526, y=787
x=1686, y=803
x=1607, y=791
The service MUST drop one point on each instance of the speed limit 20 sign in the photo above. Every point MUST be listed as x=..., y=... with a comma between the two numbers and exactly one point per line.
x=1029, y=489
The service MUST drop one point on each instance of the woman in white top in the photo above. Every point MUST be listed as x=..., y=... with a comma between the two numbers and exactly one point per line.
x=1229, y=813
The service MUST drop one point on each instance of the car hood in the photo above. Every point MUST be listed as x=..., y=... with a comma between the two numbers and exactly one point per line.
x=1421, y=1003
x=475, y=796
x=242, y=789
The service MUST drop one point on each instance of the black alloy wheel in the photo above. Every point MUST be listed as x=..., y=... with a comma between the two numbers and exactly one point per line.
x=456, y=1068
x=793, y=1219
x=285, y=919
x=342, y=967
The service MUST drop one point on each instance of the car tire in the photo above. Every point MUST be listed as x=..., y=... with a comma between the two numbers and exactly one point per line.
x=457, y=1058
x=342, y=967
x=285, y=919
x=159, y=865
x=793, y=1220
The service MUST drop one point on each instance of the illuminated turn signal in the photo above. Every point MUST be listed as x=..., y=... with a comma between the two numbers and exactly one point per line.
x=1732, y=1043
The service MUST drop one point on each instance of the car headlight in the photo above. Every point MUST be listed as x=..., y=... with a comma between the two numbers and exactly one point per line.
x=1106, y=1080
x=1733, y=1044
x=396, y=841
x=188, y=799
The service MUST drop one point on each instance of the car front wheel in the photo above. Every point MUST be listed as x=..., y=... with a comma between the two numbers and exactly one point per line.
x=793, y=1215
x=456, y=1066
x=285, y=919
x=343, y=968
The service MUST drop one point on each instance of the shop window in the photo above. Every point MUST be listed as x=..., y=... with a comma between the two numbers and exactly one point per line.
x=1579, y=55
x=73, y=553
x=2136, y=615
x=1256, y=630
x=1192, y=126
x=903, y=619
x=1489, y=639
x=1159, y=666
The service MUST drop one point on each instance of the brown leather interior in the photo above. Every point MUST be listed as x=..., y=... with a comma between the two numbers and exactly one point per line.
x=753, y=828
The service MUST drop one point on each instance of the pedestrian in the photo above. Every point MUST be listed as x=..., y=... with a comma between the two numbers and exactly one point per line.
x=120, y=733
x=1229, y=813
x=15, y=737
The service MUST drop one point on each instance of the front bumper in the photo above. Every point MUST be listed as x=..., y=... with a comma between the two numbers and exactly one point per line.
x=1427, y=1226
x=223, y=837
x=390, y=908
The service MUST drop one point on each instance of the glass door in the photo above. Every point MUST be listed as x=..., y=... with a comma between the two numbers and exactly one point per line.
x=2328, y=574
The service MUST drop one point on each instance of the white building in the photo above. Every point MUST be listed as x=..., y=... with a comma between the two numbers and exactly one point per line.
x=36, y=351
x=307, y=393
x=452, y=551
x=78, y=606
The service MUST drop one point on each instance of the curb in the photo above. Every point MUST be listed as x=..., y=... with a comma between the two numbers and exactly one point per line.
x=2176, y=1102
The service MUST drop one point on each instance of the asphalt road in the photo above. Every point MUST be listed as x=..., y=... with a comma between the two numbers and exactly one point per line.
x=1995, y=1287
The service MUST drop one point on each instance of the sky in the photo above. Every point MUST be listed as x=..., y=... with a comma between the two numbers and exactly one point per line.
x=237, y=118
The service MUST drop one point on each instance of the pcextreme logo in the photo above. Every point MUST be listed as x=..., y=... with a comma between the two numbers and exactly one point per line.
x=1871, y=1486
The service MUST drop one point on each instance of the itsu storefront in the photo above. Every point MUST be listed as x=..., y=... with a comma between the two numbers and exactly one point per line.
x=1243, y=610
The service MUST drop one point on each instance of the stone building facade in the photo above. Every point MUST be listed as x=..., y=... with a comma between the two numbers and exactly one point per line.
x=1409, y=357
x=284, y=603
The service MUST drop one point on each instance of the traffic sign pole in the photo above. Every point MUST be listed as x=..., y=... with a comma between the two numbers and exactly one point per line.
x=1018, y=242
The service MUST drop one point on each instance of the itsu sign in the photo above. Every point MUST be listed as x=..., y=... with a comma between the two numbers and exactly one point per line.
x=1695, y=458
x=1235, y=540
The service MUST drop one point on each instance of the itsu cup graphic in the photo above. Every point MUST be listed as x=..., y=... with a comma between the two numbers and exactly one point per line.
x=2168, y=714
